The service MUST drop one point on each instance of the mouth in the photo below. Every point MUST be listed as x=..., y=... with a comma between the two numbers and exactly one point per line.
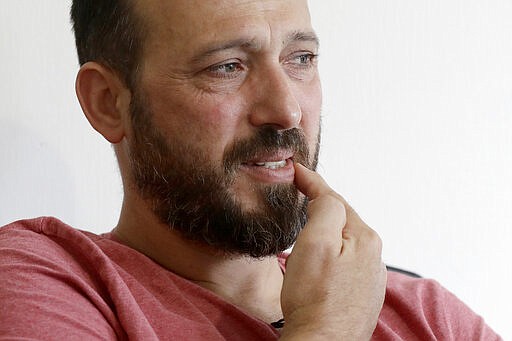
x=268, y=164
x=271, y=168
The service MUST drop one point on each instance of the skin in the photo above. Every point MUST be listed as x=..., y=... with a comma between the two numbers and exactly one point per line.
x=268, y=87
x=259, y=71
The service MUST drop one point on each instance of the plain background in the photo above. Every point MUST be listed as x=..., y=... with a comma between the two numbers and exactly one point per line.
x=417, y=132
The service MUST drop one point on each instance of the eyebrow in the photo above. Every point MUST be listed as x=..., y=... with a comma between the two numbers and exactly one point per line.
x=309, y=36
x=244, y=43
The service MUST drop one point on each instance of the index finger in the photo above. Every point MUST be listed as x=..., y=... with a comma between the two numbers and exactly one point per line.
x=310, y=183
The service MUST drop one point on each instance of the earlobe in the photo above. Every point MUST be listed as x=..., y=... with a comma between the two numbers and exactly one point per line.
x=104, y=99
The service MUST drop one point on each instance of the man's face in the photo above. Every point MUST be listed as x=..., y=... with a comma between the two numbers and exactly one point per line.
x=228, y=97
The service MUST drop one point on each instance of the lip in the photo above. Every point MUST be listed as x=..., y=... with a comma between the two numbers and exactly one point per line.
x=284, y=174
x=274, y=157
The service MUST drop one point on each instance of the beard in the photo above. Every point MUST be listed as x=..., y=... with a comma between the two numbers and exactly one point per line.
x=193, y=196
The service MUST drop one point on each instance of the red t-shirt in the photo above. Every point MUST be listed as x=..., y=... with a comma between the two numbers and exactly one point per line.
x=59, y=283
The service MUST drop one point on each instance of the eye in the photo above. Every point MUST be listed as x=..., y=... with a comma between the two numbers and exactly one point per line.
x=226, y=70
x=301, y=65
x=304, y=59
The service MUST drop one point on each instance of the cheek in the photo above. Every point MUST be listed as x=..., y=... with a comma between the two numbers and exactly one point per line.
x=220, y=121
x=311, y=106
x=204, y=120
x=223, y=115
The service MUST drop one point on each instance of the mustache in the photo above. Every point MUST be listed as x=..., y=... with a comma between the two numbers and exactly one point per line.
x=267, y=140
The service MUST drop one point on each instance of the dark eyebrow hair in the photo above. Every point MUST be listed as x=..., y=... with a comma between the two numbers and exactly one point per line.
x=216, y=47
x=245, y=43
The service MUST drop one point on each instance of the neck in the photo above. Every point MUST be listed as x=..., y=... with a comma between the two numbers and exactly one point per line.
x=254, y=285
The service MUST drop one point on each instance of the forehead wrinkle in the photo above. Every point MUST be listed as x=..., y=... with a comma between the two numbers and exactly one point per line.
x=245, y=38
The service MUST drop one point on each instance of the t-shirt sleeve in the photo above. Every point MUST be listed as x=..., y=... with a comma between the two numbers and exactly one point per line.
x=43, y=295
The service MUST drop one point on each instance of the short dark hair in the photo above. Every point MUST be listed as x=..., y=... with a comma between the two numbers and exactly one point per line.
x=109, y=32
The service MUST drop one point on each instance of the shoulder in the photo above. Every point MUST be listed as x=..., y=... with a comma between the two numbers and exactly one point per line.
x=44, y=238
x=425, y=306
x=49, y=284
x=427, y=293
x=409, y=293
x=45, y=251
x=42, y=228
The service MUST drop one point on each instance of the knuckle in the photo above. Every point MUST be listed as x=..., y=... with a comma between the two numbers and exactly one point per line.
x=316, y=247
x=350, y=209
x=377, y=240
x=334, y=200
x=372, y=239
x=328, y=202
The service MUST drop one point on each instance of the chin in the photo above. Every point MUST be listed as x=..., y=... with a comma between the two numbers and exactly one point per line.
x=252, y=202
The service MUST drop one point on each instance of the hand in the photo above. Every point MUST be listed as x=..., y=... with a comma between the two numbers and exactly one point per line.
x=335, y=281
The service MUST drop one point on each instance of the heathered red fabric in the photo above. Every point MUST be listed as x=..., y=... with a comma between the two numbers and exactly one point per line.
x=59, y=283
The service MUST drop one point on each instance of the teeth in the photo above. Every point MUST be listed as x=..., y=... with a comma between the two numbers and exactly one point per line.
x=272, y=165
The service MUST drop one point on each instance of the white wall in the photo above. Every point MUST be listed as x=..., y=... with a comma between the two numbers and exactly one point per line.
x=417, y=120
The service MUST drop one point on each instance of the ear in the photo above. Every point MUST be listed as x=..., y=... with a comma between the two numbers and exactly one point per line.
x=105, y=100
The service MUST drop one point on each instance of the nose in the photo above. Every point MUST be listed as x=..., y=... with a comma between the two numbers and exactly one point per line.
x=275, y=103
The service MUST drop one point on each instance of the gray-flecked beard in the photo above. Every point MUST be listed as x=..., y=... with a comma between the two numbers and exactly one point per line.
x=193, y=196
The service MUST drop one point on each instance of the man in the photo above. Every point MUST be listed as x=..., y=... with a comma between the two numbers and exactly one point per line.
x=213, y=109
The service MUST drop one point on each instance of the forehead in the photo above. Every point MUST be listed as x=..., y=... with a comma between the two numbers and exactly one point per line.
x=189, y=24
